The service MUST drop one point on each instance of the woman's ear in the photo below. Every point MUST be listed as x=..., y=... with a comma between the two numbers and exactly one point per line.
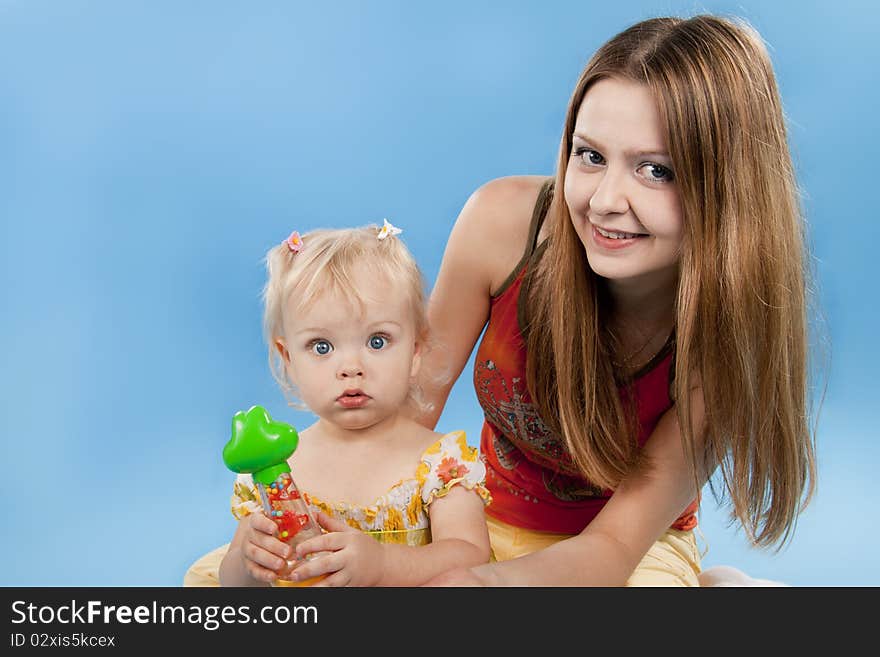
x=282, y=350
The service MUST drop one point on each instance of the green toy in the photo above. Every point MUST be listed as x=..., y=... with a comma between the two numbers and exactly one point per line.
x=260, y=446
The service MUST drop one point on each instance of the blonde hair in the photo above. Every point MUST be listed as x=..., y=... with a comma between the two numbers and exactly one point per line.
x=348, y=261
x=740, y=314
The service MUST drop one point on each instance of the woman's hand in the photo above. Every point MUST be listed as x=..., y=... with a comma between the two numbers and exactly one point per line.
x=352, y=557
x=263, y=554
x=456, y=577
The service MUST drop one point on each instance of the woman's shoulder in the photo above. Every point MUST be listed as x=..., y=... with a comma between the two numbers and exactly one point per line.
x=507, y=203
x=494, y=224
x=511, y=186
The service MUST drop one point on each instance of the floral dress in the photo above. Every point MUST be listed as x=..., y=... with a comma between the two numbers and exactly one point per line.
x=401, y=514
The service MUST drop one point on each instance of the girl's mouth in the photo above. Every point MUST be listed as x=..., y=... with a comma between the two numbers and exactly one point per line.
x=613, y=239
x=353, y=399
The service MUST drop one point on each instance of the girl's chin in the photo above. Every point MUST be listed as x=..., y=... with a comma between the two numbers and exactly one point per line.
x=359, y=420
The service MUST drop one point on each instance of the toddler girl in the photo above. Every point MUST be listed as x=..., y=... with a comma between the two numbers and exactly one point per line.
x=346, y=325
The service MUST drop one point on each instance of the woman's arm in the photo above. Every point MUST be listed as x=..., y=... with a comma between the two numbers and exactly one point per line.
x=486, y=242
x=608, y=550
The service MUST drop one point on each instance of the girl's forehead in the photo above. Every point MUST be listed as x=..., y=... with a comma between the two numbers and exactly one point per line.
x=338, y=308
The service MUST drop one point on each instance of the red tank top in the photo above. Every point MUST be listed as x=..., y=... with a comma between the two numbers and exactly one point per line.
x=532, y=478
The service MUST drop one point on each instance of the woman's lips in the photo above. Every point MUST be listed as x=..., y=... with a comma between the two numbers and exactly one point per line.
x=610, y=243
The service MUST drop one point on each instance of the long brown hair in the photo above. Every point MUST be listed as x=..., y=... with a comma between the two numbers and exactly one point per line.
x=741, y=310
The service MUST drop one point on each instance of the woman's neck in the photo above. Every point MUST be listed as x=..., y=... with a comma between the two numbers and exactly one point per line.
x=647, y=301
x=641, y=319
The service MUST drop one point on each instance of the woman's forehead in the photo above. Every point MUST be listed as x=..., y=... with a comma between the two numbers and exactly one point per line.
x=622, y=114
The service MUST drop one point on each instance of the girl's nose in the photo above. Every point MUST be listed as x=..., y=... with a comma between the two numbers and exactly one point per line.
x=350, y=371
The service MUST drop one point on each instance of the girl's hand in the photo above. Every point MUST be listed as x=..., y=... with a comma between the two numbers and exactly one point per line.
x=263, y=554
x=353, y=557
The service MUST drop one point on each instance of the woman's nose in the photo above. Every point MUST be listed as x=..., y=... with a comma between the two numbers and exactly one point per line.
x=610, y=195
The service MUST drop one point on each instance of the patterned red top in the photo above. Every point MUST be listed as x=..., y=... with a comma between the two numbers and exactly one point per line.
x=532, y=479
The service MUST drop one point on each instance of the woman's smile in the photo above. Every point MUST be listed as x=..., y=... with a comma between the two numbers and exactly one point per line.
x=614, y=240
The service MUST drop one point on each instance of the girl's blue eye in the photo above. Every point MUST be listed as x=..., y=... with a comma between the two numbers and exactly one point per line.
x=322, y=347
x=657, y=172
x=377, y=342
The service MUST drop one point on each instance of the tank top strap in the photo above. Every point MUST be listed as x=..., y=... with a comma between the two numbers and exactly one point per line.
x=542, y=204
x=539, y=212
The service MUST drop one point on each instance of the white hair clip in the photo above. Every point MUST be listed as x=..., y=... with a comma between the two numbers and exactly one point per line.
x=388, y=229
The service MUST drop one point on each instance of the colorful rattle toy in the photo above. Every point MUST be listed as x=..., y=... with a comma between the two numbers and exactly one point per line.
x=261, y=446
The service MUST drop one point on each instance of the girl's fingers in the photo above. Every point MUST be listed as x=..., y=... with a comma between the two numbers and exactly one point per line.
x=263, y=524
x=261, y=574
x=263, y=557
x=268, y=541
x=332, y=524
x=319, y=566
x=339, y=578
x=328, y=542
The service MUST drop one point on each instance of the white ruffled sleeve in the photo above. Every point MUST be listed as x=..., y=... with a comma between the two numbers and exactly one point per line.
x=451, y=462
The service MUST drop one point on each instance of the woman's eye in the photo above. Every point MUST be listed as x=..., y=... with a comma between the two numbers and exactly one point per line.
x=377, y=342
x=590, y=157
x=321, y=347
x=656, y=172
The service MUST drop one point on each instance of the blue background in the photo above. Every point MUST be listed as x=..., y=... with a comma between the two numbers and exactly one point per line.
x=151, y=152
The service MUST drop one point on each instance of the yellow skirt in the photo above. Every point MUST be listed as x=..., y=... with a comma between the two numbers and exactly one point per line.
x=673, y=560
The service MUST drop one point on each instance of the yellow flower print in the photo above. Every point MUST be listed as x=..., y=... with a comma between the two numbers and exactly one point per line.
x=394, y=520
x=413, y=510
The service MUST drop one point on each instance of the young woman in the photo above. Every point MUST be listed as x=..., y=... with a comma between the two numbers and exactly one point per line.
x=645, y=318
